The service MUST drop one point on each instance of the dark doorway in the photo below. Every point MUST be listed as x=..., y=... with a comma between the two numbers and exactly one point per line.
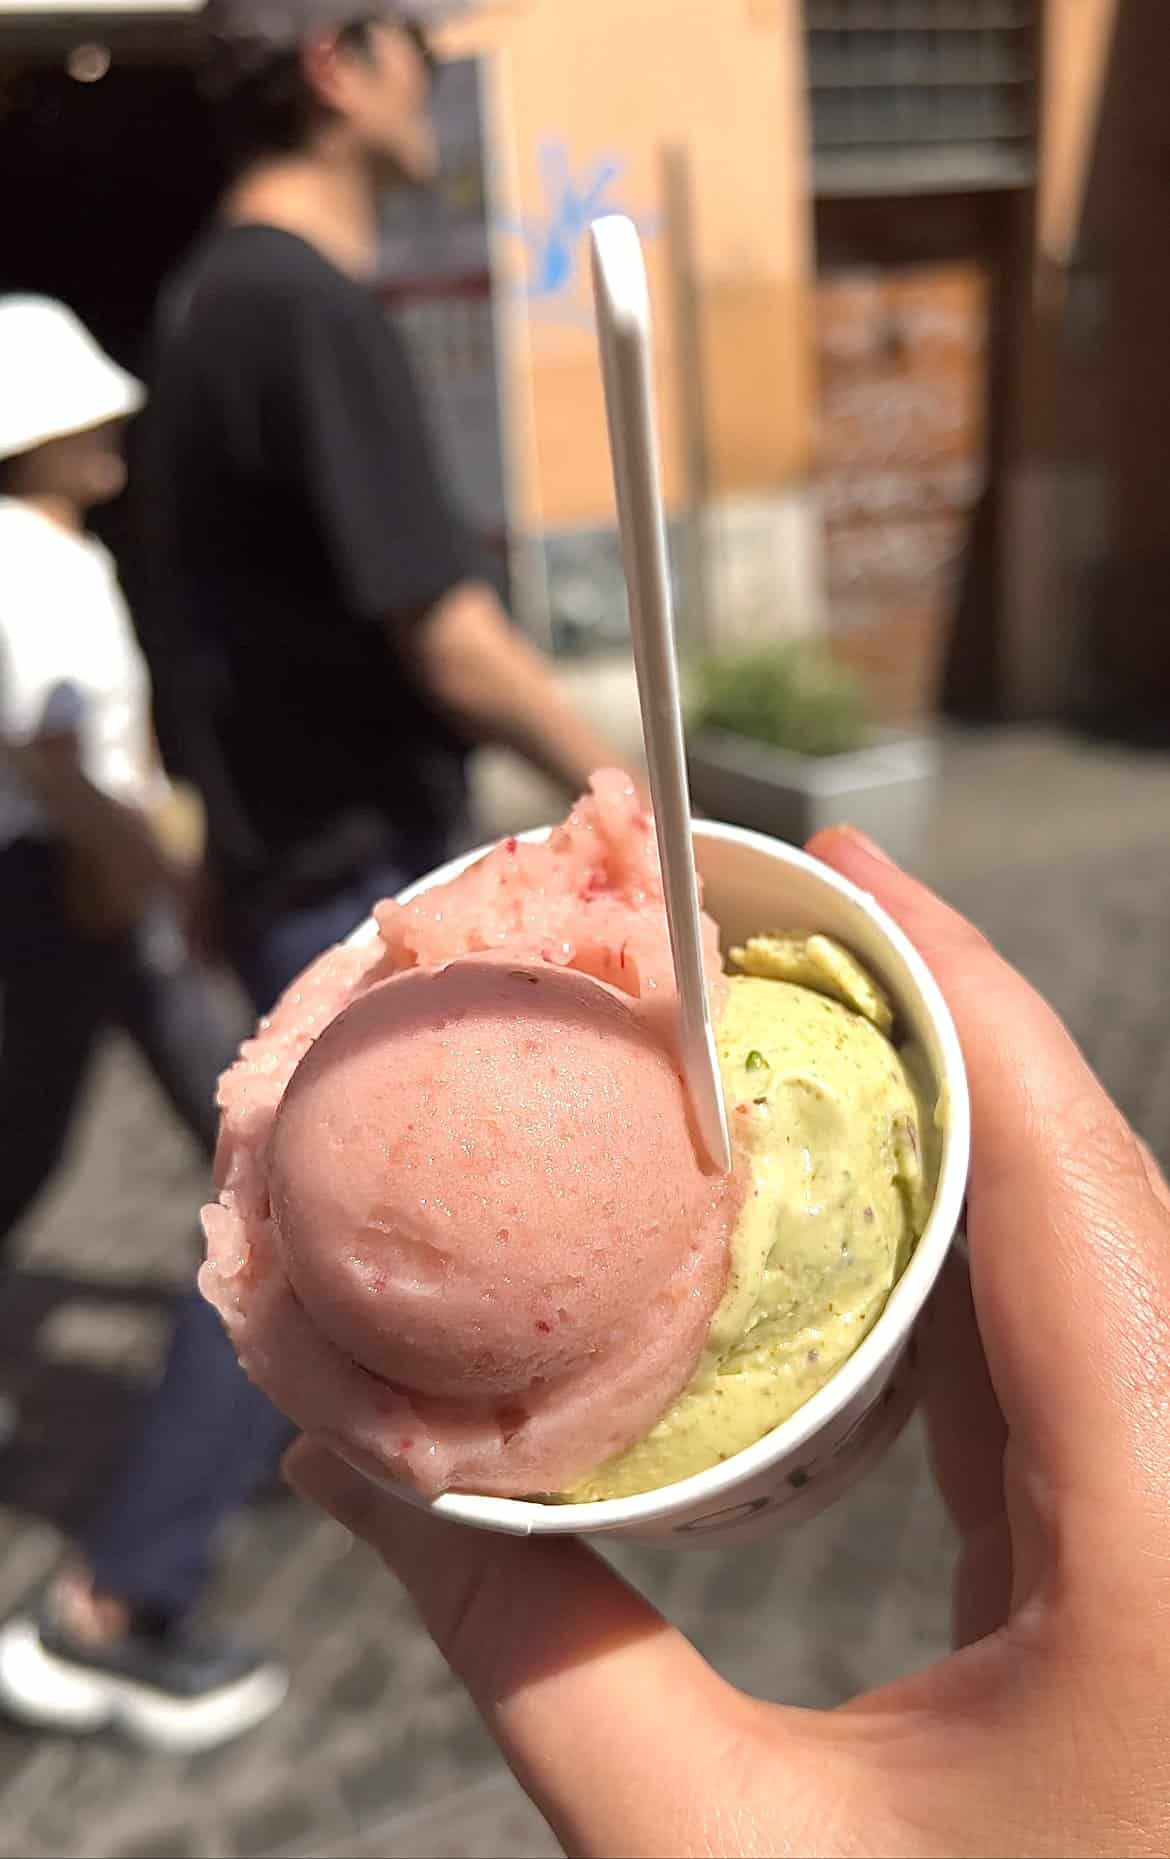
x=104, y=184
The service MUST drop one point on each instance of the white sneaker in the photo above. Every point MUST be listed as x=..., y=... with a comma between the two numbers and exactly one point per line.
x=171, y=1690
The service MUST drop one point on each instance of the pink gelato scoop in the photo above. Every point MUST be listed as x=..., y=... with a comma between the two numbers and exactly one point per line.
x=463, y=1231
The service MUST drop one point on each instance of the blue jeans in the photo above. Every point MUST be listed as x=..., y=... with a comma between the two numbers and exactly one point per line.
x=268, y=960
x=211, y=1440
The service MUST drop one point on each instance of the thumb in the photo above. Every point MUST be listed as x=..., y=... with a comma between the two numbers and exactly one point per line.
x=611, y=1721
x=1069, y=1238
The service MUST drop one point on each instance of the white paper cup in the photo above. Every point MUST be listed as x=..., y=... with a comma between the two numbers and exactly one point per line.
x=752, y=885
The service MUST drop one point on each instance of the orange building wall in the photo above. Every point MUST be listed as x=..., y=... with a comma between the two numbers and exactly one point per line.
x=600, y=81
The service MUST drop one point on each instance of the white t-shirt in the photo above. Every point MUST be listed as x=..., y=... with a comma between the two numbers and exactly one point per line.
x=68, y=660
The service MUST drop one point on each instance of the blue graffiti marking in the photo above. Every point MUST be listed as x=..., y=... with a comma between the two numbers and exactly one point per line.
x=553, y=237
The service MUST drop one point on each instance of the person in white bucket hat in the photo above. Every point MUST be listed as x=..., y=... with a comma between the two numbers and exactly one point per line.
x=69, y=667
x=58, y=388
x=83, y=799
x=89, y=926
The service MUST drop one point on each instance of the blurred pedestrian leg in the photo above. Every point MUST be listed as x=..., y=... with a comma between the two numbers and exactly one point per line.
x=209, y=1442
x=185, y=1026
x=58, y=989
x=55, y=990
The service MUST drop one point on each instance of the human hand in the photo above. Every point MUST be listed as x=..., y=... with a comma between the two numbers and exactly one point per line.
x=113, y=864
x=1049, y=1732
x=110, y=883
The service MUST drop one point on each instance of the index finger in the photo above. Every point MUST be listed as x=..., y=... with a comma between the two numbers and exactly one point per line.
x=1070, y=1260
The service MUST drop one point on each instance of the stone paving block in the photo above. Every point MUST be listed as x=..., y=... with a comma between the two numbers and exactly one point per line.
x=120, y=1338
x=173, y=1842
x=276, y=1827
x=387, y=1778
x=362, y=1682
x=485, y=1823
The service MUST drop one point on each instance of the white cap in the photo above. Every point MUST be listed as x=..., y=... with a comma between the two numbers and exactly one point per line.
x=54, y=379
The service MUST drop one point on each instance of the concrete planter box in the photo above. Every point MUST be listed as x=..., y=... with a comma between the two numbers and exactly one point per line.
x=885, y=788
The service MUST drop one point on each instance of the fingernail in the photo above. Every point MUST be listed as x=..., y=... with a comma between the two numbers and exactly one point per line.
x=863, y=842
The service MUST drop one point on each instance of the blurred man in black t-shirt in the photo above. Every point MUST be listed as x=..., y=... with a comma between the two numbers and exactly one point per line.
x=324, y=645
x=324, y=651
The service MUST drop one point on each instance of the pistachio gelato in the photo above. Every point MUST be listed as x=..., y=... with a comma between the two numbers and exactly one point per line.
x=827, y=1111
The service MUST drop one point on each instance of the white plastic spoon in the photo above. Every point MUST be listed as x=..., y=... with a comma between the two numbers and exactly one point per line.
x=622, y=300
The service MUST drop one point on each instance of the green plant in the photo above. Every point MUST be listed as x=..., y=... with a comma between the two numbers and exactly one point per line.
x=793, y=696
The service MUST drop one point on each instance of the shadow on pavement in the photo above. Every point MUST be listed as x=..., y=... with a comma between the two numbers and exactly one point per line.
x=78, y=1356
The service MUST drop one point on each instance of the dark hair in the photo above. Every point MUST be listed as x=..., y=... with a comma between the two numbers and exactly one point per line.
x=263, y=104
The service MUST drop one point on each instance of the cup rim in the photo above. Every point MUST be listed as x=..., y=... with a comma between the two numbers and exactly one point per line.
x=532, y=1517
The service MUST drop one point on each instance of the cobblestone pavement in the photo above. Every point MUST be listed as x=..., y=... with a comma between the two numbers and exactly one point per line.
x=1060, y=851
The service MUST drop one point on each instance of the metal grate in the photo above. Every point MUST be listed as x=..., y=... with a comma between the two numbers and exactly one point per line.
x=921, y=94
